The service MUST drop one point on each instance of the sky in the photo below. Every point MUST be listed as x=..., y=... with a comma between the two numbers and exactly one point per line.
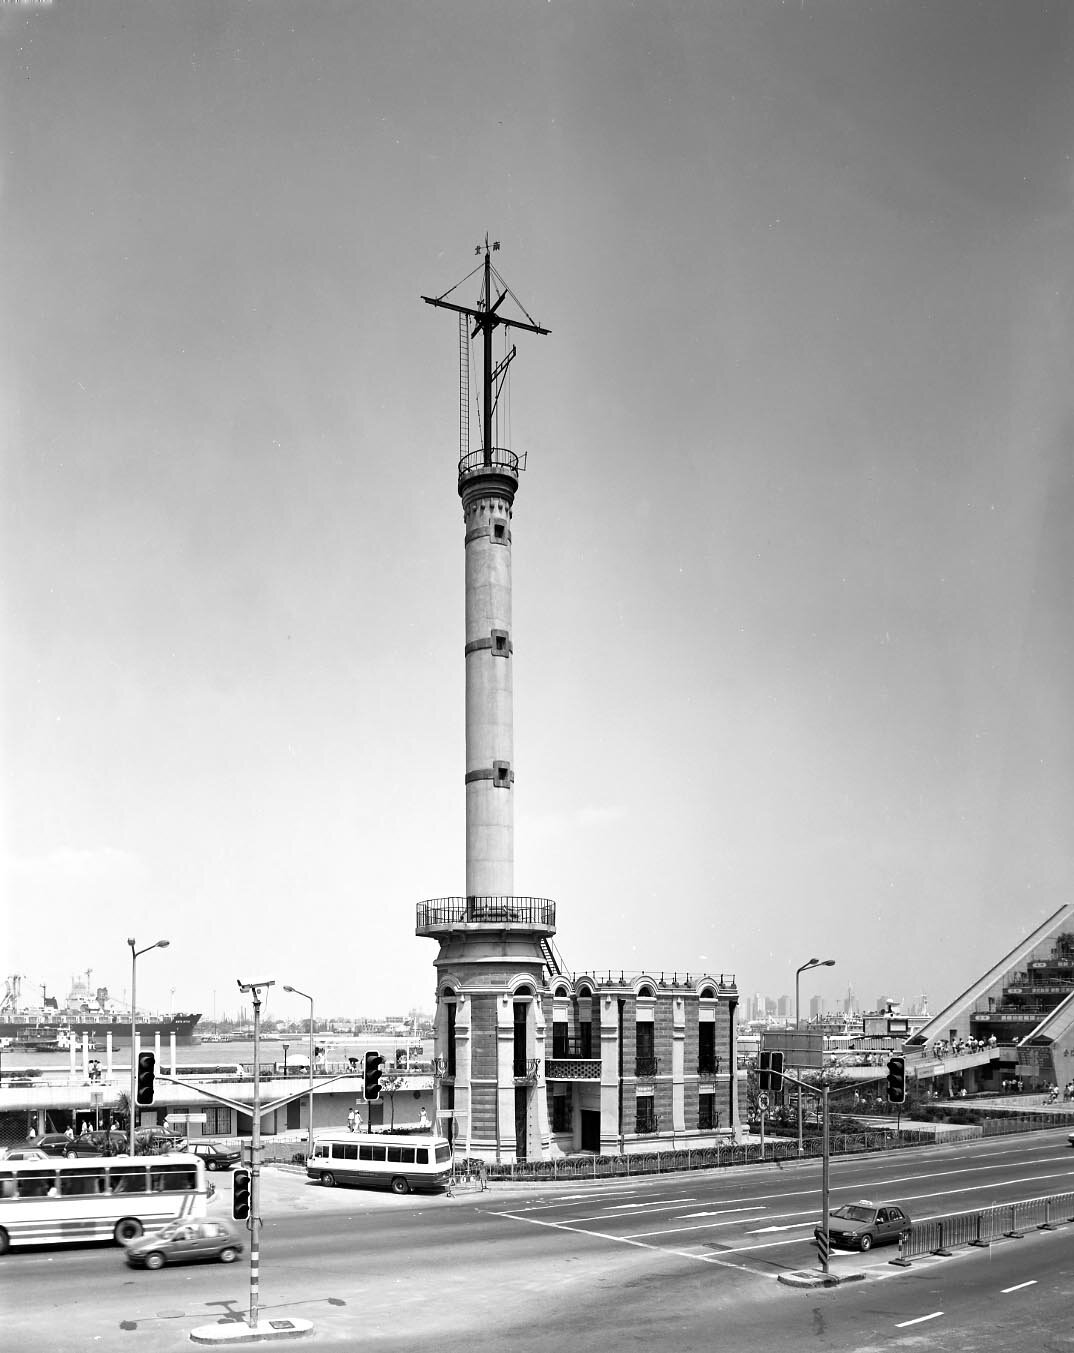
x=793, y=559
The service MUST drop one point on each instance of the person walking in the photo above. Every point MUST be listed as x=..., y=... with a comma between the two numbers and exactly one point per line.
x=350, y=1121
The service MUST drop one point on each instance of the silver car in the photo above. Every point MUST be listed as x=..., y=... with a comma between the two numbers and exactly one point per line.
x=184, y=1242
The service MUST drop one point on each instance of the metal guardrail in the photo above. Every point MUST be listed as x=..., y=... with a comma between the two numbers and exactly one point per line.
x=939, y=1235
x=699, y=1158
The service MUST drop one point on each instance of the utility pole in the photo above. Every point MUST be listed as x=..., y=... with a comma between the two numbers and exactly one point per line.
x=253, y=1222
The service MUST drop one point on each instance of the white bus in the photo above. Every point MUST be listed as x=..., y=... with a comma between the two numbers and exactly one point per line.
x=45, y=1202
x=400, y=1161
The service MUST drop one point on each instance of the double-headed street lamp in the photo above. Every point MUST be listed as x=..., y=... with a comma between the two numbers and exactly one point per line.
x=812, y=963
x=157, y=944
x=309, y=1135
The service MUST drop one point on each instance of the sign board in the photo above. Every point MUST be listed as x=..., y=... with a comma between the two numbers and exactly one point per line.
x=763, y=1101
x=801, y=1048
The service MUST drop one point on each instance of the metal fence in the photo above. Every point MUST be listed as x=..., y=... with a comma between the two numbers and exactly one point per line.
x=697, y=1158
x=939, y=1235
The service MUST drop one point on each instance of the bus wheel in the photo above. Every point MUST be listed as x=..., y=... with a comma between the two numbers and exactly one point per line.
x=399, y=1185
x=126, y=1230
x=4, y=1242
x=328, y=1179
x=154, y=1260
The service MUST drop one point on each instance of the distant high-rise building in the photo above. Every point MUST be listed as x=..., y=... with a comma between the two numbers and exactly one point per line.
x=817, y=1006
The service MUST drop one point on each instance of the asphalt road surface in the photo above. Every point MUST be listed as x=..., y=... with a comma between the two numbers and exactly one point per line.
x=686, y=1262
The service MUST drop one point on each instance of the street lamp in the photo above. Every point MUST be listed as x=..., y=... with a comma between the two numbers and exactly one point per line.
x=157, y=944
x=309, y=1133
x=813, y=963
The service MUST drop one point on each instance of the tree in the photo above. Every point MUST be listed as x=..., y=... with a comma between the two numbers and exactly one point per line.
x=389, y=1084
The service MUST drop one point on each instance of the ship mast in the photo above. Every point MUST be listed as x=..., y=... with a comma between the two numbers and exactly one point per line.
x=486, y=320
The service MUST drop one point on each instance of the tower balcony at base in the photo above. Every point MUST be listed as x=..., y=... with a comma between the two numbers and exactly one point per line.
x=441, y=916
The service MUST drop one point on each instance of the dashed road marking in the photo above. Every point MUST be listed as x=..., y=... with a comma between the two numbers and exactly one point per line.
x=1018, y=1286
x=904, y=1324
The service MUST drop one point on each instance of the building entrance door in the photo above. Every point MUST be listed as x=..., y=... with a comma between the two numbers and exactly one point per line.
x=591, y=1130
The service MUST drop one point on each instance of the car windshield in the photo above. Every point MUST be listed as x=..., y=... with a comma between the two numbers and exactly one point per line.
x=854, y=1213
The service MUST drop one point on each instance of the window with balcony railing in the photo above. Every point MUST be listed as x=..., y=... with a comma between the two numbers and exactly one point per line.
x=645, y=1066
x=707, y=1117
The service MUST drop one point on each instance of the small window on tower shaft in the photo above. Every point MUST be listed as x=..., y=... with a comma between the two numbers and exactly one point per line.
x=500, y=647
x=502, y=772
x=499, y=530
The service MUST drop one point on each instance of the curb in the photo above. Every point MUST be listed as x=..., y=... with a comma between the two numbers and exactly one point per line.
x=239, y=1332
x=814, y=1278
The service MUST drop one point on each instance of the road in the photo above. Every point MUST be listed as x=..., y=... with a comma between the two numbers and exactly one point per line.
x=684, y=1262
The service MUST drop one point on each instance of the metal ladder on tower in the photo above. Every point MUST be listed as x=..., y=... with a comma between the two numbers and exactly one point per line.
x=464, y=389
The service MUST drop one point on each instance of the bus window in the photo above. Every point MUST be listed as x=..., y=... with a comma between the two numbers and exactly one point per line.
x=443, y=1154
x=378, y=1152
x=81, y=1181
x=401, y=1155
x=37, y=1184
x=127, y=1178
x=171, y=1178
x=7, y=1186
x=423, y=1155
x=344, y=1151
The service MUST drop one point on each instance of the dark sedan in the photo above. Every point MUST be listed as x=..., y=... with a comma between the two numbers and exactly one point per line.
x=88, y=1144
x=215, y=1156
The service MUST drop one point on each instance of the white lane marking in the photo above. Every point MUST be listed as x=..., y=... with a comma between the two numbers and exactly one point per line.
x=1018, y=1286
x=623, y=1207
x=639, y=1244
x=919, y=1321
x=752, y=1207
x=794, y=1225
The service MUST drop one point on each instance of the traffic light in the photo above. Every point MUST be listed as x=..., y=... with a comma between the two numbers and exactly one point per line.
x=240, y=1201
x=896, y=1080
x=764, y=1072
x=776, y=1065
x=373, y=1064
x=146, y=1064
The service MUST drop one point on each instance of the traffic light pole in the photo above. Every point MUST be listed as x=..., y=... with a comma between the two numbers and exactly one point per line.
x=253, y=1222
x=822, y=1091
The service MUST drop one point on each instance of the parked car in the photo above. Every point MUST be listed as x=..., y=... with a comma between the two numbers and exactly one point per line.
x=25, y=1153
x=88, y=1144
x=185, y=1241
x=860, y=1226
x=157, y=1142
x=215, y=1156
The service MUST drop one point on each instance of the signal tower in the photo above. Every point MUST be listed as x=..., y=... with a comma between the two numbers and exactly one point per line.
x=494, y=945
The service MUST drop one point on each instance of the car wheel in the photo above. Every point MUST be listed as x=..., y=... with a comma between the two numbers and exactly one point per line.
x=70, y=1153
x=4, y=1242
x=154, y=1260
x=866, y=1242
x=328, y=1179
x=399, y=1185
x=126, y=1230
x=228, y=1256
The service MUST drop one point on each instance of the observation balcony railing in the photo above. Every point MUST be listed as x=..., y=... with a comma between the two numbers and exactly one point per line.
x=446, y=913
x=498, y=460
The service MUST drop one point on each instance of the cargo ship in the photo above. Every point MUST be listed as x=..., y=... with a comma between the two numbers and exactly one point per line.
x=87, y=1011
